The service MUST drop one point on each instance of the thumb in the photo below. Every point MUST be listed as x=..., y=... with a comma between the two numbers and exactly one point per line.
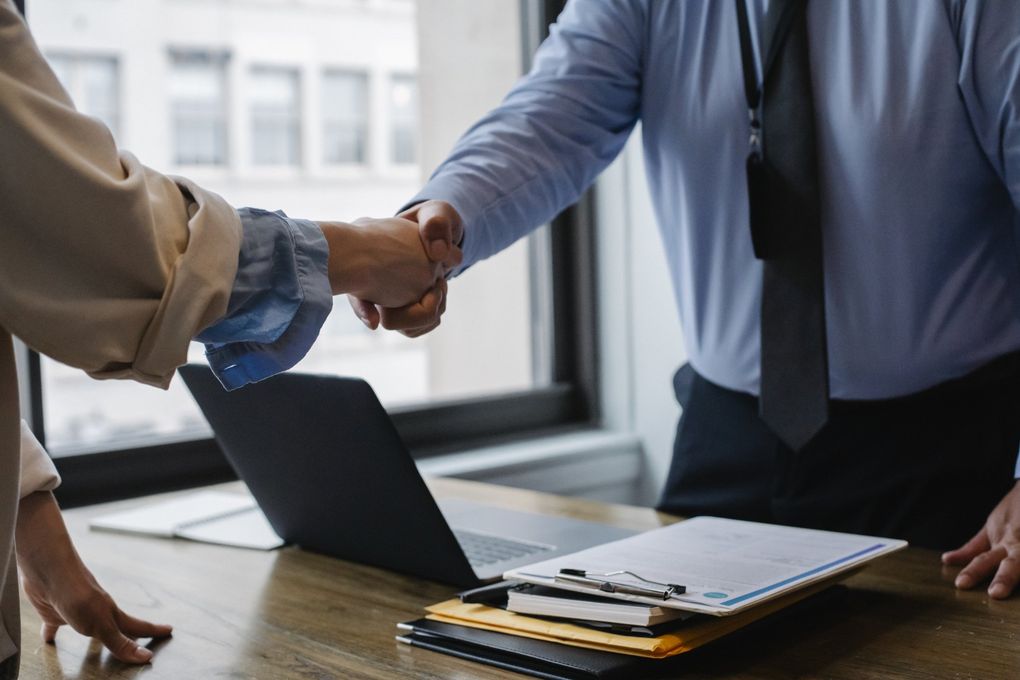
x=441, y=230
x=124, y=648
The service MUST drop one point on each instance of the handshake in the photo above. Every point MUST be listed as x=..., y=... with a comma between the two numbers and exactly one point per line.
x=393, y=270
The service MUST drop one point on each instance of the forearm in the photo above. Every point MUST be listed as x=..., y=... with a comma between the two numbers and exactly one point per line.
x=44, y=547
x=557, y=129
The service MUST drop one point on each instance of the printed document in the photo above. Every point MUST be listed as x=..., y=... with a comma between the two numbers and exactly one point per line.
x=726, y=565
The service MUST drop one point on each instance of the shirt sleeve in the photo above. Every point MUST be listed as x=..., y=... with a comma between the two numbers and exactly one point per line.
x=37, y=470
x=280, y=299
x=989, y=81
x=105, y=265
x=535, y=154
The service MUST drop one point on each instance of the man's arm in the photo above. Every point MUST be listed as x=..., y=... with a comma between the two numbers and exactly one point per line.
x=990, y=86
x=535, y=154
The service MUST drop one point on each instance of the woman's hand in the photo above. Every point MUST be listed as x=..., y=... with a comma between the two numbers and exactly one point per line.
x=64, y=591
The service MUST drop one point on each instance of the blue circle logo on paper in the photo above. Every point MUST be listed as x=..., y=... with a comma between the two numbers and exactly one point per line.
x=716, y=596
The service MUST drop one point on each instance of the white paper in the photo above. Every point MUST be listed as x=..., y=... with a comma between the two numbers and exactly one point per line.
x=248, y=529
x=726, y=565
x=165, y=518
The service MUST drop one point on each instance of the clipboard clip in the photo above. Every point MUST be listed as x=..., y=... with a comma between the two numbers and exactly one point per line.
x=601, y=582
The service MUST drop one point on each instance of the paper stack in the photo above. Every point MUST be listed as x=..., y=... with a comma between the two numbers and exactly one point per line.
x=623, y=607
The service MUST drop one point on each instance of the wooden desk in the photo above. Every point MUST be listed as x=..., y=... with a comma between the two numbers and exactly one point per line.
x=291, y=614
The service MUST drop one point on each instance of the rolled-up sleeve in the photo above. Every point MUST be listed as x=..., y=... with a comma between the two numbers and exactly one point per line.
x=280, y=299
x=37, y=470
x=105, y=265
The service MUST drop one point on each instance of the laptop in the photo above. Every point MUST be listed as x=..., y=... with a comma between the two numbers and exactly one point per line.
x=331, y=474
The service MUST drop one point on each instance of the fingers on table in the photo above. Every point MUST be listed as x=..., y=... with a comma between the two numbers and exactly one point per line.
x=980, y=568
x=1007, y=576
x=968, y=550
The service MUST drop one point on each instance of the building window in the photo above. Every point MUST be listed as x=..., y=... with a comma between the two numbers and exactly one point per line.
x=404, y=119
x=93, y=83
x=274, y=100
x=344, y=117
x=198, y=107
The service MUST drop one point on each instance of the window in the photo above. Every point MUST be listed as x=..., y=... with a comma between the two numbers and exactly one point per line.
x=370, y=87
x=403, y=105
x=93, y=83
x=344, y=117
x=275, y=116
x=198, y=107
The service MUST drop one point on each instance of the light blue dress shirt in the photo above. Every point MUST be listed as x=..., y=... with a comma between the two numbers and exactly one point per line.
x=918, y=118
x=280, y=299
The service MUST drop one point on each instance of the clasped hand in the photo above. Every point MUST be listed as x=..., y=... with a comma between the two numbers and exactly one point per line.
x=437, y=229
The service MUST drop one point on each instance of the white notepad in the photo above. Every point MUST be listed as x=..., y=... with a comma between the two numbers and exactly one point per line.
x=209, y=516
x=726, y=565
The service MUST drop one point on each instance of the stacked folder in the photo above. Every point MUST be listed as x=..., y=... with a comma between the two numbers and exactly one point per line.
x=626, y=608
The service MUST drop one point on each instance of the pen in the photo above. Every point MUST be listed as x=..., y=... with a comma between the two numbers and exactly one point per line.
x=494, y=594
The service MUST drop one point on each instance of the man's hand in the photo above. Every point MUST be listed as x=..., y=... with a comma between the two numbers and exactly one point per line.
x=63, y=590
x=440, y=230
x=995, y=549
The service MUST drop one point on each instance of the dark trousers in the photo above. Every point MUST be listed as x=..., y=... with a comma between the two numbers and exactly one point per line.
x=928, y=467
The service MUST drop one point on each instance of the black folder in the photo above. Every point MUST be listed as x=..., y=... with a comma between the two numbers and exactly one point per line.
x=537, y=658
x=553, y=661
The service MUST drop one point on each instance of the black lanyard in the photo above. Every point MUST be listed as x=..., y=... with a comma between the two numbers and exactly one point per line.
x=752, y=88
x=759, y=174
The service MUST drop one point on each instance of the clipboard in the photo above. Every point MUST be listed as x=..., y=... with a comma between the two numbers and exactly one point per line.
x=724, y=566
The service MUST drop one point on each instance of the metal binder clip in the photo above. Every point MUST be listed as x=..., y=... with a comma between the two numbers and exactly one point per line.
x=602, y=583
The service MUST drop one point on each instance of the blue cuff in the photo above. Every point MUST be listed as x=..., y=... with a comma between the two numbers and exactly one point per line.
x=280, y=299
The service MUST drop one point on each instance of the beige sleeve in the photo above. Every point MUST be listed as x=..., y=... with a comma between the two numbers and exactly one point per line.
x=105, y=264
x=37, y=470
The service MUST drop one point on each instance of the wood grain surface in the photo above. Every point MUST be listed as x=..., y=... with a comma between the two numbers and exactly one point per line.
x=287, y=614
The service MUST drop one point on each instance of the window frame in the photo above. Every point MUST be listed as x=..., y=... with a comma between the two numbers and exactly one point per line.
x=566, y=258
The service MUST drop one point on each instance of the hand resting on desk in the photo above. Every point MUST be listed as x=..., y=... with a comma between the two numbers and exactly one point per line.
x=63, y=590
x=993, y=550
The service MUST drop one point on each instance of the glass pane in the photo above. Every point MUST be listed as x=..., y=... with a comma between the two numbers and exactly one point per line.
x=198, y=107
x=199, y=84
x=276, y=126
x=93, y=83
x=404, y=107
x=345, y=117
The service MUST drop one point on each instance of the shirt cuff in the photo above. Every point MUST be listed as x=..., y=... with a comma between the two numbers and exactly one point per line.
x=281, y=298
x=37, y=470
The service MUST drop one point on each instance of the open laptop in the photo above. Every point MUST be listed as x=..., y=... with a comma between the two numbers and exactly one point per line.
x=323, y=460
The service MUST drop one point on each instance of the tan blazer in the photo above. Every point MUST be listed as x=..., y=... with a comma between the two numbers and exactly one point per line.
x=105, y=265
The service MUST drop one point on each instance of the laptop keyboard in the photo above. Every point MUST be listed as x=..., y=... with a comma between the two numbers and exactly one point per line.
x=486, y=549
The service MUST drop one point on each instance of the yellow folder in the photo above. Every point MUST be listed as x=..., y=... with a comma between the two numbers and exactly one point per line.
x=684, y=639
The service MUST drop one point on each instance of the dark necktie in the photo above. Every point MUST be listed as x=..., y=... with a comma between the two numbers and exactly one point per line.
x=786, y=227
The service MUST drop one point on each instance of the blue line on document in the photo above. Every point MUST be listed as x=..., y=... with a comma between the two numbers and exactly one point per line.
x=809, y=572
